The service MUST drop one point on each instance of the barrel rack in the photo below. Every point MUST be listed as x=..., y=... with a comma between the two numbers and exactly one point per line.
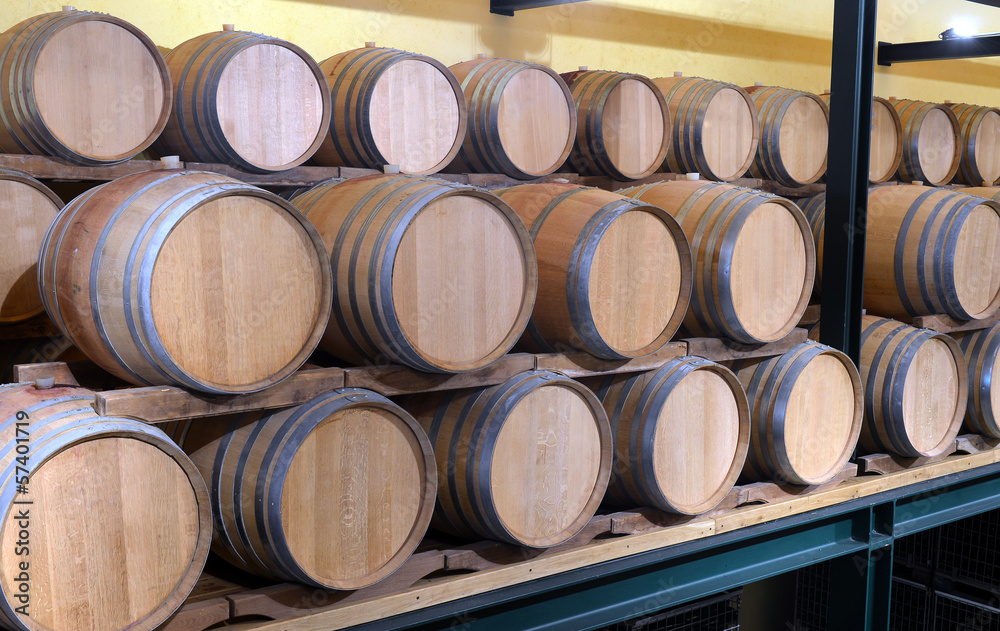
x=649, y=563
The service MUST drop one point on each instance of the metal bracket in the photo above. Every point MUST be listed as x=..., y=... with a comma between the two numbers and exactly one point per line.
x=507, y=7
x=952, y=48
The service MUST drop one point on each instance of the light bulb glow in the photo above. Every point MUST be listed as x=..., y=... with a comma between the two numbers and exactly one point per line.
x=963, y=27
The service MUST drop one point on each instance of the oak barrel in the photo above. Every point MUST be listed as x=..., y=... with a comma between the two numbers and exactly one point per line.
x=437, y=276
x=335, y=493
x=113, y=507
x=754, y=259
x=187, y=278
x=251, y=101
x=931, y=251
x=522, y=118
x=915, y=384
x=681, y=435
x=526, y=461
x=932, y=142
x=614, y=273
x=886, y=149
x=27, y=207
x=623, y=124
x=982, y=354
x=715, y=127
x=794, y=132
x=392, y=107
x=814, y=208
x=989, y=192
x=980, y=144
x=85, y=87
x=806, y=411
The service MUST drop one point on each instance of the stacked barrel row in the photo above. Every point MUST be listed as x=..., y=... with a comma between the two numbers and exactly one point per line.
x=928, y=251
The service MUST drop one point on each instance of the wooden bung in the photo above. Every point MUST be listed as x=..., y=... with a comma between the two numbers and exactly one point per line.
x=979, y=164
x=715, y=127
x=251, y=101
x=794, y=131
x=806, y=413
x=85, y=87
x=982, y=355
x=931, y=142
x=522, y=118
x=681, y=435
x=437, y=276
x=335, y=493
x=526, y=461
x=886, y=149
x=187, y=278
x=915, y=384
x=614, y=273
x=392, y=107
x=27, y=207
x=623, y=124
x=754, y=258
x=111, y=506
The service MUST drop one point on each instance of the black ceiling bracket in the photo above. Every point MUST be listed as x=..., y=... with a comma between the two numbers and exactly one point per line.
x=951, y=48
x=507, y=7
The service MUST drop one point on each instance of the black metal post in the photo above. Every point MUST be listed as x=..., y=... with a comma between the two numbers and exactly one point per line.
x=847, y=174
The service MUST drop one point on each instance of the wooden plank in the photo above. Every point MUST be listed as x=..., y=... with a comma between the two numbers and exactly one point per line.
x=946, y=324
x=453, y=588
x=891, y=463
x=160, y=404
x=299, y=176
x=810, y=315
x=608, y=184
x=393, y=380
x=642, y=519
x=40, y=326
x=288, y=600
x=44, y=167
x=27, y=373
x=721, y=349
x=809, y=190
x=586, y=365
x=772, y=492
x=198, y=616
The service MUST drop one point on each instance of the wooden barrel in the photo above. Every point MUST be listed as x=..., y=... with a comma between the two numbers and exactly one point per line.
x=251, y=101
x=979, y=164
x=526, y=461
x=794, y=131
x=915, y=388
x=886, y=149
x=112, y=507
x=681, y=435
x=187, y=278
x=931, y=251
x=614, y=274
x=715, y=127
x=392, y=107
x=27, y=207
x=85, y=87
x=931, y=142
x=437, y=276
x=989, y=192
x=814, y=208
x=982, y=355
x=335, y=493
x=522, y=118
x=754, y=259
x=806, y=411
x=623, y=124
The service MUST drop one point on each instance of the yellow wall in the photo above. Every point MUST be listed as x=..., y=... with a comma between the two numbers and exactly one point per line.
x=782, y=42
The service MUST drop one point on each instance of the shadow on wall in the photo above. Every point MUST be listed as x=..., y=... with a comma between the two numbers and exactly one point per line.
x=527, y=35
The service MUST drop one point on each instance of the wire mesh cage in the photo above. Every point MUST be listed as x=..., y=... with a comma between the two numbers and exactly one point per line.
x=910, y=606
x=720, y=612
x=955, y=613
x=969, y=550
x=812, y=597
x=918, y=551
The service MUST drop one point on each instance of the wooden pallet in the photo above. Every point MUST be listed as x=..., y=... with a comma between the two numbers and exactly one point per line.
x=881, y=464
x=946, y=324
